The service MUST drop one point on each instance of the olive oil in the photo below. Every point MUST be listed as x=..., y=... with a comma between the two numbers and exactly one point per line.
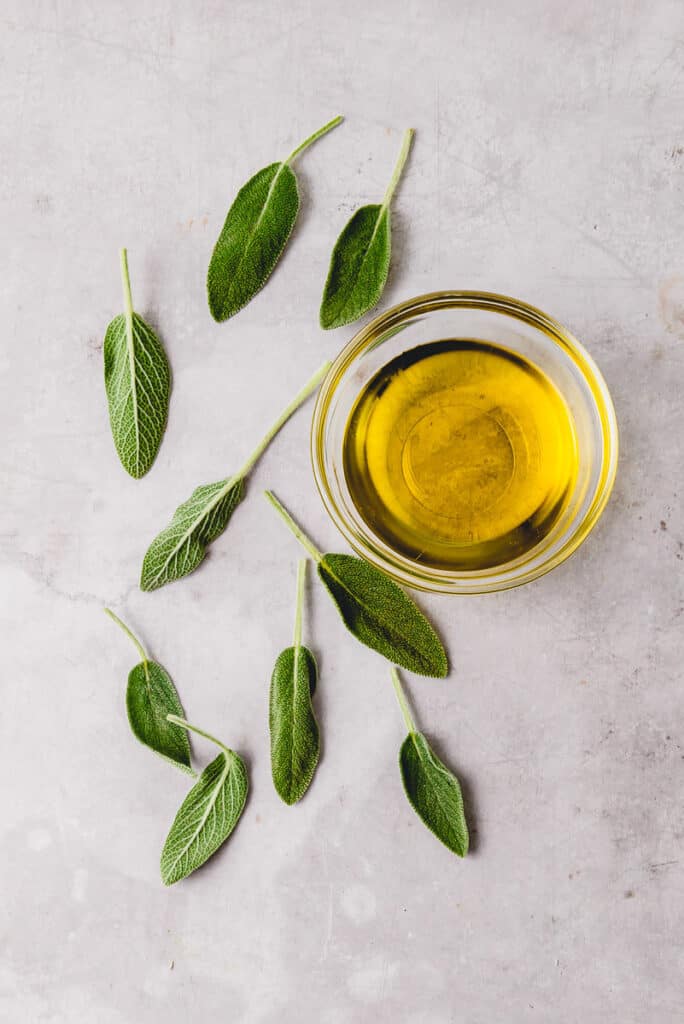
x=460, y=455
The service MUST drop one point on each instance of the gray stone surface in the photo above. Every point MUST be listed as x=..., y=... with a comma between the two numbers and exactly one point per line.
x=548, y=164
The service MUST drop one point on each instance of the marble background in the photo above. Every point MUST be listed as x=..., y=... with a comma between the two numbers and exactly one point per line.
x=548, y=164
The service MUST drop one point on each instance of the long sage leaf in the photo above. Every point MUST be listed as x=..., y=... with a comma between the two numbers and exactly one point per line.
x=432, y=790
x=209, y=813
x=137, y=382
x=150, y=697
x=295, y=741
x=181, y=546
x=360, y=260
x=255, y=233
x=374, y=608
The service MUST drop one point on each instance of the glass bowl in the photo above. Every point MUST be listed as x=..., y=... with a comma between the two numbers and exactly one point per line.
x=501, y=321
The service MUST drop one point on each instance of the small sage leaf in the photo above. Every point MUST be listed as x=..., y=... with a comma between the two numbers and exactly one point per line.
x=434, y=793
x=361, y=257
x=358, y=268
x=381, y=615
x=180, y=548
x=207, y=816
x=295, y=742
x=374, y=608
x=137, y=382
x=182, y=545
x=432, y=790
x=150, y=698
x=254, y=234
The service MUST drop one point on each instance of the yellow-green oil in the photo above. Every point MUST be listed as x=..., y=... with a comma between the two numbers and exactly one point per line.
x=460, y=455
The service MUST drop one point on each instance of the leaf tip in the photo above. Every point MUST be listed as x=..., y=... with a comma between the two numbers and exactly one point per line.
x=166, y=878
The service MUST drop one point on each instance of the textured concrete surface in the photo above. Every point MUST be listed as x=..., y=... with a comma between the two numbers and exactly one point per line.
x=548, y=164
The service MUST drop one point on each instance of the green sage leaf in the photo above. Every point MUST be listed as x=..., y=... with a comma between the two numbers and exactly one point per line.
x=361, y=257
x=434, y=793
x=208, y=815
x=137, y=382
x=180, y=548
x=254, y=234
x=182, y=545
x=381, y=615
x=374, y=608
x=295, y=741
x=150, y=698
x=432, y=790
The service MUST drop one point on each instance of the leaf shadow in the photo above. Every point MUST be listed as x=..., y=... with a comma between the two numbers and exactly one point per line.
x=305, y=204
x=399, y=260
x=468, y=792
x=318, y=707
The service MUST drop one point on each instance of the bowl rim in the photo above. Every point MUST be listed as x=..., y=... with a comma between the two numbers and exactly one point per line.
x=480, y=581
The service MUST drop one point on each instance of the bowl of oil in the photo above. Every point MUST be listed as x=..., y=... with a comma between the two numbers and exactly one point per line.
x=464, y=442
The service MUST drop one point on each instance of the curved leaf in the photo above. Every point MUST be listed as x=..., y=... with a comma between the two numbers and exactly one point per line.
x=254, y=235
x=358, y=267
x=150, y=697
x=206, y=818
x=180, y=548
x=360, y=260
x=295, y=742
x=138, y=384
x=434, y=793
x=382, y=616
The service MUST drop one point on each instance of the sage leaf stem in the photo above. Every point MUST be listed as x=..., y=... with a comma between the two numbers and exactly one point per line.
x=373, y=608
x=360, y=260
x=150, y=698
x=398, y=167
x=255, y=233
x=403, y=703
x=137, y=383
x=285, y=415
x=294, y=527
x=198, y=521
x=130, y=634
x=432, y=790
x=209, y=813
x=313, y=137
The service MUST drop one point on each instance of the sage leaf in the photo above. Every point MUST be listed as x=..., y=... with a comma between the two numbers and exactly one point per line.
x=150, y=697
x=137, y=382
x=255, y=233
x=209, y=813
x=432, y=790
x=295, y=741
x=374, y=608
x=181, y=546
x=361, y=258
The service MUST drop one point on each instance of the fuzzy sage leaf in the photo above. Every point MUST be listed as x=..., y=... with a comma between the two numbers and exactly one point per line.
x=150, y=697
x=360, y=260
x=374, y=608
x=432, y=790
x=137, y=382
x=255, y=233
x=209, y=813
x=295, y=741
x=181, y=546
